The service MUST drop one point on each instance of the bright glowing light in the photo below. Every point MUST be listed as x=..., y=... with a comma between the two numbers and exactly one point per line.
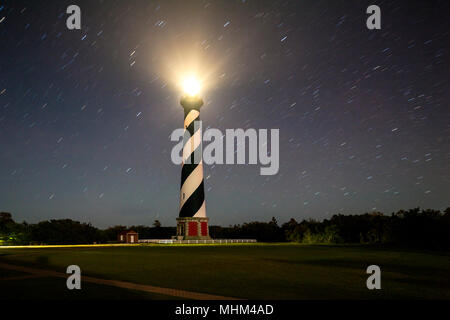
x=191, y=86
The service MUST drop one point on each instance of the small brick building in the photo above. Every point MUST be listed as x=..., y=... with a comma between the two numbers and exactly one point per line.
x=128, y=236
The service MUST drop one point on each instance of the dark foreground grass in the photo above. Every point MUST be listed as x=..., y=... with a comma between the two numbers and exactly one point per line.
x=283, y=271
x=55, y=288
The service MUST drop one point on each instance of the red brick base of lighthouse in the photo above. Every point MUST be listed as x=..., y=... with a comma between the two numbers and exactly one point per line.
x=192, y=228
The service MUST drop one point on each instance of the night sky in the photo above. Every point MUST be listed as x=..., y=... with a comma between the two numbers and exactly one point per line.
x=86, y=115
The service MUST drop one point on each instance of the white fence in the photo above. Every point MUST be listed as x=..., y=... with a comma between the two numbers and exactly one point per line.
x=173, y=241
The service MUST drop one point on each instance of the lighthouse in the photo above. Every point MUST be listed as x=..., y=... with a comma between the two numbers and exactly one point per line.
x=192, y=223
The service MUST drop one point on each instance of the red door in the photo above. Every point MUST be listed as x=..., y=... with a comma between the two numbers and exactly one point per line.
x=204, y=228
x=193, y=229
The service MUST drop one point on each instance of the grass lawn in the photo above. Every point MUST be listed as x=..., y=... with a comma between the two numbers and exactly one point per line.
x=253, y=271
x=55, y=288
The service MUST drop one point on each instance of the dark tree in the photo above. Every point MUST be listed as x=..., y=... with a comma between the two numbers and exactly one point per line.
x=157, y=224
x=6, y=221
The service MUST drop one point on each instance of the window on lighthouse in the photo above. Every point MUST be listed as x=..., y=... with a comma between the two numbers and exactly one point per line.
x=183, y=195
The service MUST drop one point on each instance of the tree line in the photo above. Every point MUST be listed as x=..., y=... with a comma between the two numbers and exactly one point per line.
x=414, y=228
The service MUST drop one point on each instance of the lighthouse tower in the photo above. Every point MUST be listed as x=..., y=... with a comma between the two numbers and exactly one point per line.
x=192, y=223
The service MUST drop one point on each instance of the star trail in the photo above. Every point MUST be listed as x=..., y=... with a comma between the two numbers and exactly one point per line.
x=86, y=115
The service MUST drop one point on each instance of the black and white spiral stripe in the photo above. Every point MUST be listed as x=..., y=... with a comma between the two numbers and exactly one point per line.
x=192, y=194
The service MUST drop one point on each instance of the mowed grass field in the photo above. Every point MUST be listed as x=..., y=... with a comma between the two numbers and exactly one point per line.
x=251, y=271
